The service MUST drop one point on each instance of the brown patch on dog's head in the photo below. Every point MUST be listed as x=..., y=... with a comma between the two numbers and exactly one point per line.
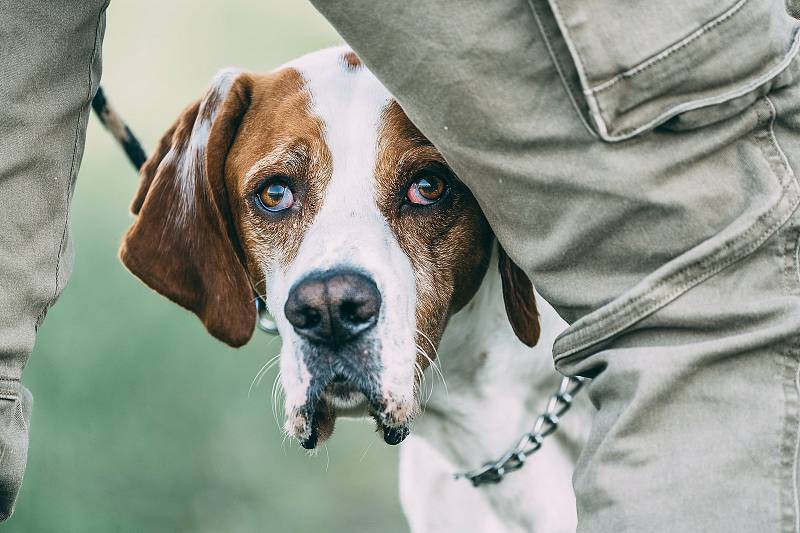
x=278, y=137
x=199, y=238
x=449, y=243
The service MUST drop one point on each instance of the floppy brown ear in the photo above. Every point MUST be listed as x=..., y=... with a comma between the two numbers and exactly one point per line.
x=183, y=243
x=519, y=299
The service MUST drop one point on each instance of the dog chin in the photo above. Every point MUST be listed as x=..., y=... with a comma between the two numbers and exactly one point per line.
x=313, y=423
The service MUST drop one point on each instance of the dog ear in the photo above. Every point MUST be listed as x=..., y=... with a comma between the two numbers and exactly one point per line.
x=519, y=300
x=183, y=243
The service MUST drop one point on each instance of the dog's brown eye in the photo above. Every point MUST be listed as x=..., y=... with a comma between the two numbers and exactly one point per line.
x=426, y=190
x=276, y=196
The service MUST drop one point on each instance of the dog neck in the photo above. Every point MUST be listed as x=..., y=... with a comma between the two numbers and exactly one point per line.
x=496, y=388
x=495, y=385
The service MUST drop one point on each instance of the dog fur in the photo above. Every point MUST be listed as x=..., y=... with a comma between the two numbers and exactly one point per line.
x=340, y=155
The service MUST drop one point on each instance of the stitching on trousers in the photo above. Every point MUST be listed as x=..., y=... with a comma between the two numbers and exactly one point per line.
x=72, y=170
x=787, y=167
x=789, y=444
x=571, y=90
x=792, y=522
x=599, y=114
x=580, y=68
x=581, y=335
x=795, y=491
x=639, y=307
x=797, y=258
x=680, y=45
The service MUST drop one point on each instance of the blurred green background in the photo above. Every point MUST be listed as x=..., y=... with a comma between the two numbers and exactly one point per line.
x=142, y=421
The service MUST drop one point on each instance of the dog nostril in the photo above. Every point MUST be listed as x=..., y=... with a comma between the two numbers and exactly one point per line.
x=310, y=318
x=358, y=312
x=352, y=311
x=348, y=311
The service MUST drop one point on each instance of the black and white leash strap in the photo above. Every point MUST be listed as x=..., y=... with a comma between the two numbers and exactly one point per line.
x=118, y=129
x=492, y=472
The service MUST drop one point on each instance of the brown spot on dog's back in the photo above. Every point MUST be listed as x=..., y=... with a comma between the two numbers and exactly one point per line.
x=351, y=61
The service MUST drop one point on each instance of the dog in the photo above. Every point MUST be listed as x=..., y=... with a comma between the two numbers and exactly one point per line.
x=309, y=187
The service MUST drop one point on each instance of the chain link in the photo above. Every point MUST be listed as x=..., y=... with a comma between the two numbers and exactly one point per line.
x=529, y=443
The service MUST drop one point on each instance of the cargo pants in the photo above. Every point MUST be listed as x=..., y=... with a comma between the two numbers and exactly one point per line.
x=638, y=160
x=49, y=71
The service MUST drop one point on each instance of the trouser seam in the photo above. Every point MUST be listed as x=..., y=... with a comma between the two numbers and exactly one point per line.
x=705, y=274
x=678, y=46
x=796, y=461
x=599, y=114
x=72, y=170
x=568, y=86
x=797, y=259
x=787, y=167
x=790, y=441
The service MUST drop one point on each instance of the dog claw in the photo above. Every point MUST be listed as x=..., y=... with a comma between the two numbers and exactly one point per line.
x=394, y=435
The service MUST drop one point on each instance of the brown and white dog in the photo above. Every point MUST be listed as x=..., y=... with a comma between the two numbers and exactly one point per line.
x=310, y=187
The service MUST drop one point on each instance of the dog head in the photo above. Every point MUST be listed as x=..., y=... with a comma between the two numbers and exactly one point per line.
x=309, y=186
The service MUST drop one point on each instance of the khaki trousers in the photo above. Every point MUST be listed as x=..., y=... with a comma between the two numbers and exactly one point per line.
x=49, y=71
x=639, y=160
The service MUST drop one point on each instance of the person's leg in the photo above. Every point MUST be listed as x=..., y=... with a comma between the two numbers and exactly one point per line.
x=641, y=171
x=49, y=71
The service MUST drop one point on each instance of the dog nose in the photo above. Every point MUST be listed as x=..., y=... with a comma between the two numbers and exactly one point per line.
x=333, y=307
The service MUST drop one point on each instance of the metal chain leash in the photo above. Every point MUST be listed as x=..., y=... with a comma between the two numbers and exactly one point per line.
x=529, y=443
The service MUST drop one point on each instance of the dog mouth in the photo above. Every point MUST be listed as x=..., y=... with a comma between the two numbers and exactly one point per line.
x=314, y=422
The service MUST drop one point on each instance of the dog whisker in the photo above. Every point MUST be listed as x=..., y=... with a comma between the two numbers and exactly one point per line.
x=437, y=359
x=419, y=389
x=270, y=364
x=433, y=346
x=261, y=371
x=366, y=450
x=436, y=369
x=277, y=388
x=255, y=290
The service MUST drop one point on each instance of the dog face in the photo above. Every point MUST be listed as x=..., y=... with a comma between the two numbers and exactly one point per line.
x=310, y=187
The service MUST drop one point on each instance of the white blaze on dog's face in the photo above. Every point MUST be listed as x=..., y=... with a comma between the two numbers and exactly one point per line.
x=348, y=238
x=313, y=187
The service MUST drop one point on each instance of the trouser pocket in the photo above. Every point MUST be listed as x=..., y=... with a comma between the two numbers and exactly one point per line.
x=639, y=67
x=774, y=194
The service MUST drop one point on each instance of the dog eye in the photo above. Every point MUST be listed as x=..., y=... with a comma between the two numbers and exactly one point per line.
x=276, y=196
x=426, y=190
